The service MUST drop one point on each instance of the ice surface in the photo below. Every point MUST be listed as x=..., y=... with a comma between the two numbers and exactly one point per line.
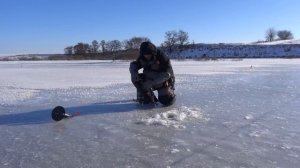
x=249, y=117
x=228, y=114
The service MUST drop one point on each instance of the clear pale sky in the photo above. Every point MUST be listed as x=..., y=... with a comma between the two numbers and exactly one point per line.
x=48, y=26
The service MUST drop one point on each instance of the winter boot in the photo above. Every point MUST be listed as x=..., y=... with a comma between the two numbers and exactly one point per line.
x=146, y=97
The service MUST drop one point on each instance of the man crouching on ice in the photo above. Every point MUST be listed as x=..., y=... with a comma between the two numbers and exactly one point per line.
x=157, y=75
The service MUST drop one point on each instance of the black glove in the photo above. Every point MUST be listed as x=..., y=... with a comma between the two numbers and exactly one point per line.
x=135, y=77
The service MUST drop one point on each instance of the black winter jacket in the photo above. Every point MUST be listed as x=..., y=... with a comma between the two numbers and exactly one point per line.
x=154, y=69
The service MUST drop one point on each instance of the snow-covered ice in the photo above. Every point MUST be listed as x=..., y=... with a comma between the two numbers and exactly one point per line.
x=228, y=113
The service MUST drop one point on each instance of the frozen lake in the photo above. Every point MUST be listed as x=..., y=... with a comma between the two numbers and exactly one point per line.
x=241, y=113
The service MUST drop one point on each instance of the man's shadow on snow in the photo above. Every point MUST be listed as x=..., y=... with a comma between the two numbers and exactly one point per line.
x=44, y=116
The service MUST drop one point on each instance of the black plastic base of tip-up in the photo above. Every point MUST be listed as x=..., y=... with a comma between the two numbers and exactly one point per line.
x=59, y=113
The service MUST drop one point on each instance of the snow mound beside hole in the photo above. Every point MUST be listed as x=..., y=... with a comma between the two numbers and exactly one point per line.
x=173, y=118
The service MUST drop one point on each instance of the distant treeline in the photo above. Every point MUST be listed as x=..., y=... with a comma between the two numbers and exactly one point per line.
x=172, y=38
x=175, y=43
x=128, y=54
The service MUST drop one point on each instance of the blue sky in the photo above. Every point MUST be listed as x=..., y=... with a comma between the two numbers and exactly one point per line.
x=48, y=26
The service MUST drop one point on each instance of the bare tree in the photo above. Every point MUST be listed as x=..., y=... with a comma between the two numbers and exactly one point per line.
x=114, y=45
x=81, y=48
x=171, y=38
x=103, y=45
x=183, y=37
x=285, y=35
x=95, y=46
x=69, y=50
x=90, y=49
x=270, y=34
x=135, y=42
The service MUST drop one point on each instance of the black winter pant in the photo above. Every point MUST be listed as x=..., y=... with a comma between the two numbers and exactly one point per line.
x=166, y=94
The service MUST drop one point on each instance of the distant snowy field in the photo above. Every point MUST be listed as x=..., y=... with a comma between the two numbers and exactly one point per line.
x=228, y=113
x=274, y=49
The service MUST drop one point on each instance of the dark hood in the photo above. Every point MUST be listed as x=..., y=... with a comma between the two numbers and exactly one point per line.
x=148, y=48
